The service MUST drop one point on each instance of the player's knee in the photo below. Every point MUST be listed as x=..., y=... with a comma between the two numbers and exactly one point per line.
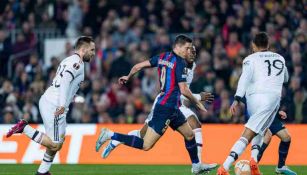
x=189, y=136
x=55, y=147
x=193, y=122
x=286, y=138
x=147, y=147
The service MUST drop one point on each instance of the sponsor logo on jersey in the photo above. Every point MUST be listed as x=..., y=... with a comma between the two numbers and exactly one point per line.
x=76, y=66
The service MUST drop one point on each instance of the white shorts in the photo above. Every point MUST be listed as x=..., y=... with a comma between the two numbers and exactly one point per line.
x=187, y=112
x=262, y=109
x=55, y=127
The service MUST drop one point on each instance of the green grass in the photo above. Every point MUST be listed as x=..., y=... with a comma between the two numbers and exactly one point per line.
x=8, y=169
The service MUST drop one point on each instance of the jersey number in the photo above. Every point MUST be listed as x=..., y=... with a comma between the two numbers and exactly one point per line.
x=162, y=78
x=277, y=64
x=59, y=71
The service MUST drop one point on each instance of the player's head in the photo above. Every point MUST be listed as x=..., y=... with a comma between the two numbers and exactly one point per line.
x=192, y=55
x=260, y=42
x=183, y=46
x=85, y=46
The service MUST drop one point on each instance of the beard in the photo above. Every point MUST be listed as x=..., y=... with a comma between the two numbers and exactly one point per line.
x=87, y=57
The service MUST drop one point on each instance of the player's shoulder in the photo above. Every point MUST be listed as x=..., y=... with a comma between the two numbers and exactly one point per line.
x=73, y=61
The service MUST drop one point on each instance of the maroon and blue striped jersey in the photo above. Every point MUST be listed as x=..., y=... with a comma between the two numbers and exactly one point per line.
x=171, y=70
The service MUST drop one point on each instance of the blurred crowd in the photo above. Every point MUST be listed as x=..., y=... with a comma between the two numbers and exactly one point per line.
x=127, y=32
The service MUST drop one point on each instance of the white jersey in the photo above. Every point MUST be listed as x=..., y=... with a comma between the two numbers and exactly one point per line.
x=69, y=76
x=263, y=72
x=190, y=75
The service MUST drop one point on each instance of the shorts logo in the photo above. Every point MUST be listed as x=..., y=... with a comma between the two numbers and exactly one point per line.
x=168, y=121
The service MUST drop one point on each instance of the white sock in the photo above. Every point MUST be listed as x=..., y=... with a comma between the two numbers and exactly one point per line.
x=236, y=151
x=46, y=163
x=199, y=142
x=33, y=134
x=135, y=133
x=256, y=142
x=110, y=134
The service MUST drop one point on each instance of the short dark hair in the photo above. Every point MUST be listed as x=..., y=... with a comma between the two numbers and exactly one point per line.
x=83, y=40
x=182, y=39
x=261, y=40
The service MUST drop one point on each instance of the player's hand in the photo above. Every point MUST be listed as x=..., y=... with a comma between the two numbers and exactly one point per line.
x=123, y=80
x=207, y=97
x=60, y=110
x=201, y=107
x=283, y=114
x=234, y=107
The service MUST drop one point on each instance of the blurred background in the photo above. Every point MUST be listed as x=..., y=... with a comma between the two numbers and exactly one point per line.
x=35, y=35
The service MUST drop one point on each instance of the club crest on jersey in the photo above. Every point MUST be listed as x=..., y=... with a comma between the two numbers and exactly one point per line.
x=76, y=66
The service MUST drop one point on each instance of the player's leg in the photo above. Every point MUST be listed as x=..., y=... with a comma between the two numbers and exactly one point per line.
x=55, y=128
x=239, y=147
x=157, y=127
x=266, y=141
x=196, y=127
x=285, y=141
x=256, y=142
x=186, y=131
x=114, y=143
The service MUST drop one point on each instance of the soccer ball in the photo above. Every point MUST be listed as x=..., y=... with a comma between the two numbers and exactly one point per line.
x=242, y=168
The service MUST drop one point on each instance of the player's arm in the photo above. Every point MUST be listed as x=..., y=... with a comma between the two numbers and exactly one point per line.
x=152, y=62
x=186, y=92
x=181, y=78
x=67, y=75
x=244, y=81
x=203, y=96
x=135, y=69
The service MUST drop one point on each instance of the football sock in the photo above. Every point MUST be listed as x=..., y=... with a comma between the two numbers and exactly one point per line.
x=256, y=146
x=191, y=146
x=46, y=163
x=199, y=142
x=115, y=143
x=236, y=151
x=283, y=153
x=261, y=151
x=33, y=134
x=129, y=140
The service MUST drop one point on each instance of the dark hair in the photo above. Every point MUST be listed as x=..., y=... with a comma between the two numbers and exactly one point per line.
x=261, y=40
x=182, y=39
x=83, y=40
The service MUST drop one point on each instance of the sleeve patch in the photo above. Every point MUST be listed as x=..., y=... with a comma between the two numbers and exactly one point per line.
x=76, y=66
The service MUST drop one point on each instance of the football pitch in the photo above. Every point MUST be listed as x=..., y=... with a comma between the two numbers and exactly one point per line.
x=28, y=169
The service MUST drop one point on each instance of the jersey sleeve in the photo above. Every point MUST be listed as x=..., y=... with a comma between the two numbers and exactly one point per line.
x=245, y=78
x=181, y=72
x=71, y=71
x=154, y=60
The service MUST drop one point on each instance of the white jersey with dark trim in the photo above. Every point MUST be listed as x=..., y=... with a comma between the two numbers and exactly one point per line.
x=190, y=75
x=69, y=76
x=262, y=72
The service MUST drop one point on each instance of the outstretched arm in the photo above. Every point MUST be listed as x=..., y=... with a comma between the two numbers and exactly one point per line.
x=135, y=69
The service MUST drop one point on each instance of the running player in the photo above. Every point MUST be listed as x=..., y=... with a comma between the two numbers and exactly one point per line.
x=53, y=104
x=263, y=75
x=172, y=74
x=187, y=112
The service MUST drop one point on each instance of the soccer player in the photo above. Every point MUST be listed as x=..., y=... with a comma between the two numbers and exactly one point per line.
x=172, y=74
x=263, y=75
x=187, y=112
x=53, y=104
x=278, y=128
